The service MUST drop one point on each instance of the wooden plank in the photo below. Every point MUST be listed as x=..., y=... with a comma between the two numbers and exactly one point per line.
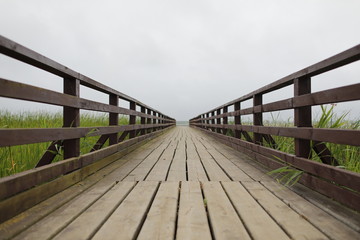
x=160, y=170
x=161, y=218
x=27, y=218
x=126, y=221
x=192, y=220
x=225, y=223
x=22, y=181
x=86, y=225
x=20, y=202
x=142, y=170
x=177, y=171
x=235, y=173
x=344, y=214
x=294, y=224
x=319, y=218
x=135, y=161
x=196, y=171
x=49, y=226
x=214, y=172
x=256, y=220
x=242, y=161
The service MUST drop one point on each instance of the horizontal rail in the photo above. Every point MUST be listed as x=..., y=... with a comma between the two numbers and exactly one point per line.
x=14, y=137
x=341, y=59
x=26, y=55
x=338, y=136
x=332, y=181
x=145, y=121
x=21, y=91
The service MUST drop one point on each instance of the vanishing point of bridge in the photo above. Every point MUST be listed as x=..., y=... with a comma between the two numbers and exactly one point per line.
x=153, y=180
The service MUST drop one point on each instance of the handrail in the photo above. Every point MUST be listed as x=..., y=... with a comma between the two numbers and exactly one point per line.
x=69, y=135
x=340, y=184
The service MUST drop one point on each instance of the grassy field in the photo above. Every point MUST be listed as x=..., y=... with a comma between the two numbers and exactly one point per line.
x=347, y=156
x=19, y=158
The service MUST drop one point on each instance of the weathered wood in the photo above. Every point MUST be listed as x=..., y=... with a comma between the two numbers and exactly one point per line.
x=177, y=171
x=255, y=218
x=113, y=118
x=100, y=142
x=338, y=136
x=192, y=221
x=196, y=171
x=71, y=118
x=51, y=225
x=50, y=153
x=160, y=221
x=294, y=224
x=19, y=52
x=17, y=183
x=128, y=217
x=302, y=117
x=86, y=225
x=11, y=137
x=224, y=221
x=324, y=153
x=319, y=218
x=159, y=170
x=132, y=120
x=143, y=120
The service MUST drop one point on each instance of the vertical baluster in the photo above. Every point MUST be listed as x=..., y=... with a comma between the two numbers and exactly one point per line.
x=71, y=118
x=148, y=121
x=132, y=120
x=143, y=120
x=113, y=118
x=225, y=120
x=257, y=118
x=237, y=119
x=154, y=121
x=302, y=116
x=218, y=120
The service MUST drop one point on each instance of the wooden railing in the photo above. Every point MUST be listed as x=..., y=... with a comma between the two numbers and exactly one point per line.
x=68, y=137
x=339, y=184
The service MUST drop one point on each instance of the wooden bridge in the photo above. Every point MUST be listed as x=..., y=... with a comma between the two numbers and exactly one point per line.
x=152, y=180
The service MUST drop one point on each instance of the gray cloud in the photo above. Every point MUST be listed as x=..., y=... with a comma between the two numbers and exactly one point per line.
x=181, y=57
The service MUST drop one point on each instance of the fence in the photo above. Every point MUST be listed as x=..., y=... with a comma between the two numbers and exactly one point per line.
x=339, y=184
x=152, y=122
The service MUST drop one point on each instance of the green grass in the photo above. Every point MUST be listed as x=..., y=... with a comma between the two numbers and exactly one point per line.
x=20, y=158
x=347, y=156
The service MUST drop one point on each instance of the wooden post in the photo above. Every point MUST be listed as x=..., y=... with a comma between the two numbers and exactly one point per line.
x=113, y=118
x=71, y=118
x=213, y=120
x=132, y=120
x=207, y=121
x=302, y=117
x=154, y=121
x=225, y=120
x=237, y=119
x=148, y=121
x=257, y=118
x=143, y=120
x=218, y=120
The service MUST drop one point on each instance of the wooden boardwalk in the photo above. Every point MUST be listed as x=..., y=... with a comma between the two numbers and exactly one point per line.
x=182, y=185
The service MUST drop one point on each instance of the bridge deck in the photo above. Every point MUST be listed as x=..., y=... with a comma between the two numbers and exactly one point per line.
x=182, y=185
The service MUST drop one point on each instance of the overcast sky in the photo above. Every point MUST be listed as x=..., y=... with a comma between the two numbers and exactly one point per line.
x=181, y=57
